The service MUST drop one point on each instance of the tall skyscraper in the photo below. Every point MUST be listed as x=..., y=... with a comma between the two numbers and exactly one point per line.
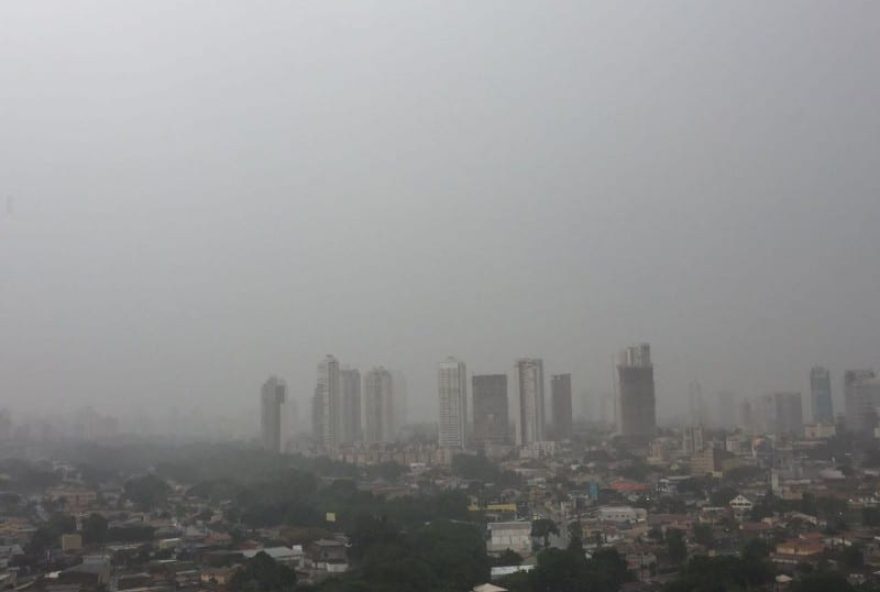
x=272, y=396
x=350, y=391
x=789, y=414
x=530, y=393
x=699, y=413
x=727, y=410
x=764, y=410
x=491, y=421
x=637, y=404
x=821, y=405
x=861, y=393
x=452, y=387
x=378, y=406
x=560, y=402
x=401, y=396
x=326, y=408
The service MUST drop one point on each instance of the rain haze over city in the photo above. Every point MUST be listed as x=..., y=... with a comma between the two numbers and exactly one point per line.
x=423, y=234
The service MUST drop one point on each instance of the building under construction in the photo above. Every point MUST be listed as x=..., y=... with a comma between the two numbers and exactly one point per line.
x=637, y=406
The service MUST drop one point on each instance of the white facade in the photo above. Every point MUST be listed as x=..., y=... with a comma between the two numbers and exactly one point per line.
x=624, y=514
x=530, y=395
x=741, y=505
x=516, y=536
x=452, y=390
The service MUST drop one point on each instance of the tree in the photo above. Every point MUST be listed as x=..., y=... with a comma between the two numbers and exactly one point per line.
x=371, y=531
x=441, y=556
x=721, y=497
x=455, y=552
x=676, y=546
x=389, y=471
x=852, y=557
x=543, y=528
x=704, y=535
x=871, y=516
x=560, y=571
x=611, y=563
x=720, y=574
x=94, y=529
x=575, y=537
x=822, y=582
x=569, y=571
x=507, y=557
x=263, y=574
x=147, y=492
x=755, y=550
x=47, y=536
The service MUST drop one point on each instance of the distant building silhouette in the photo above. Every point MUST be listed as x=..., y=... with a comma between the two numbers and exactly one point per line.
x=789, y=414
x=697, y=410
x=350, y=392
x=272, y=397
x=745, y=416
x=637, y=414
x=491, y=420
x=401, y=400
x=452, y=391
x=560, y=403
x=378, y=406
x=726, y=410
x=326, y=408
x=861, y=393
x=821, y=405
x=530, y=394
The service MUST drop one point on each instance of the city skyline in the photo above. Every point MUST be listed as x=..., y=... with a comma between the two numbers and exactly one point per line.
x=455, y=296
x=176, y=238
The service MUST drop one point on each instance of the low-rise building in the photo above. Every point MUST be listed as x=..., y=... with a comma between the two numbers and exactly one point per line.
x=516, y=536
x=622, y=514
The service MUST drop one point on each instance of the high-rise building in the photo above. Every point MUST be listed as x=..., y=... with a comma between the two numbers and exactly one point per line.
x=821, y=405
x=378, y=406
x=350, y=392
x=789, y=414
x=530, y=394
x=560, y=403
x=401, y=399
x=692, y=439
x=272, y=396
x=608, y=410
x=697, y=409
x=745, y=417
x=326, y=408
x=764, y=415
x=637, y=404
x=452, y=390
x=727, y=410
x=861, y=393
x=491, y=421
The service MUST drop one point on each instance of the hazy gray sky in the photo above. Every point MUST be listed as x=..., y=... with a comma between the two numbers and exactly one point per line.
x=209, y=192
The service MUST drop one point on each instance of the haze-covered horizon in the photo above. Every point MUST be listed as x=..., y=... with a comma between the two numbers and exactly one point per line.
x=201, y=197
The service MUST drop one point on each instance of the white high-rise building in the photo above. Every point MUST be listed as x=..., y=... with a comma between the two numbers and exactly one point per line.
x=398, y=381
x=452, y=387
x=326, y=406
x=272, y=396
x=530, y=395
x=378, y=406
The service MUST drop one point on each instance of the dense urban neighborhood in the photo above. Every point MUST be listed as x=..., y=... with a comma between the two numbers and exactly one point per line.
x=692, y=509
